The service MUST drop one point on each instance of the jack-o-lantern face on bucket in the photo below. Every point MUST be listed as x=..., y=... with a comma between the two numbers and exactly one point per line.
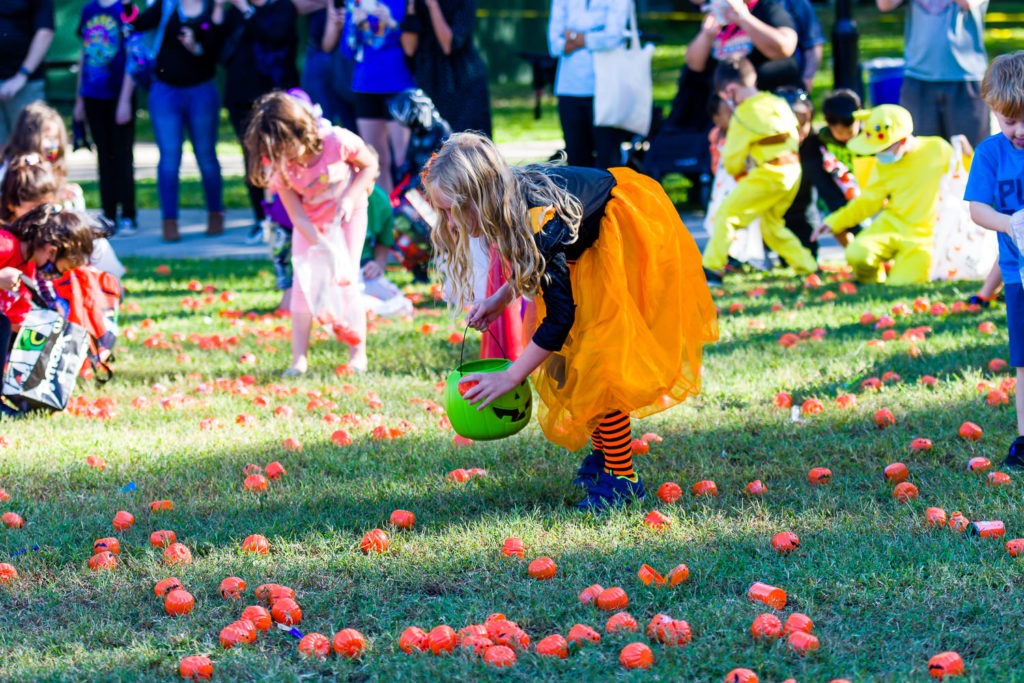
x=515, y=406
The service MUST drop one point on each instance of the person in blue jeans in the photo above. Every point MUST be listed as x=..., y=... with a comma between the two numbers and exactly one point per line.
x=184, y=96
x=106, y=103
x=372, y=37
x=327, y=75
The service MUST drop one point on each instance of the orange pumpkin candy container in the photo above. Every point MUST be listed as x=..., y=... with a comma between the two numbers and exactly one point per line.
x=580, y=634
x=513, y=547
x=286, y=611
x=612, y=599
x=413, y=639
x=798, y=622
x=636, y=656
x=255, y=544
x=315, y=645
x=946, y=664
x=376, y=541
x=179, y=602
x=111, y=545
x=259, y=616
x=741, y=676
x=620, y=622
x=7, y=572
x=402, y=519
x=785, y=542
x=553, y=646
x=104, y=561
x=163, y=588
x=176, y=553
x=766, y=627
x=196, y=668
x=441, y=639
x=542, y=568
x=500, y=657
x=349, y=643
x=589, y=594
x=232, y=588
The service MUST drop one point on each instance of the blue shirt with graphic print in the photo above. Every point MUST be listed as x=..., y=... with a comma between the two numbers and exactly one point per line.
x=103, y=56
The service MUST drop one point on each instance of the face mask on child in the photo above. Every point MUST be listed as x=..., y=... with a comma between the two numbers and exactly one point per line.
x=50, y=150
x=49, y=271
x=889, y=157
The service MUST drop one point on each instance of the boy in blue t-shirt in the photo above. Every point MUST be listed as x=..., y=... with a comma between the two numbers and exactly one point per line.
x=995, y=190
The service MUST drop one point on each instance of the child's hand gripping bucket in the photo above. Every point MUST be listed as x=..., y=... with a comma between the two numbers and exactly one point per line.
x=503, y=417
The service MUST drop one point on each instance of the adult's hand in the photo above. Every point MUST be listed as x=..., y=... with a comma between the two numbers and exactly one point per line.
x=710, y=26
x=123, y=113
x=79, y=112
x=372, y=270
x=12, y=86
x=10, y=279
x=736, y=11
x=188, y=39
x=573, y=41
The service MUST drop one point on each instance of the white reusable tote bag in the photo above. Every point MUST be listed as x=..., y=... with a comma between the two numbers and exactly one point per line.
x=622, y=83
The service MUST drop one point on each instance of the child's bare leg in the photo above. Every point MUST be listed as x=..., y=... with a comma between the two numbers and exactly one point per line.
x=992, y=284
x=286, y=300
x=302, y=325
x=355, y=235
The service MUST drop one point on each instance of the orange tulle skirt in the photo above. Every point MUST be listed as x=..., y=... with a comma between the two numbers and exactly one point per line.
x=643, y=316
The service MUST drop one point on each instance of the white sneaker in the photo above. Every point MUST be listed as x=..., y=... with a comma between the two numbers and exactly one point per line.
x=255, y=235
x=126, y=227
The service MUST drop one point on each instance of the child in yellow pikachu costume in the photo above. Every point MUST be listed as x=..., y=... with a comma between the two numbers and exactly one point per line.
x=763, y=128
x=904, y=188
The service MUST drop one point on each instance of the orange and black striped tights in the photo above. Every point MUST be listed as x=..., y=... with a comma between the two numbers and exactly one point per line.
x=614, y=437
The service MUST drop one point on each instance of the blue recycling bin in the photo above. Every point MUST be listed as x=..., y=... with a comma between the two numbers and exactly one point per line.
x=885, y=78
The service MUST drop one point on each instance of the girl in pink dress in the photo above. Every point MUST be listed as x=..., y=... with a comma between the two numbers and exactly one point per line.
x=324, y=176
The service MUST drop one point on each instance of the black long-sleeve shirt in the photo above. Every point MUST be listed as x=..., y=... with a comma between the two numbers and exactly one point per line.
x=174, y=64
x=593, y=188
x=263, y=58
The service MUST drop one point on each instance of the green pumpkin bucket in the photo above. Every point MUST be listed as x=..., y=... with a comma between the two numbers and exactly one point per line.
x=505, y=416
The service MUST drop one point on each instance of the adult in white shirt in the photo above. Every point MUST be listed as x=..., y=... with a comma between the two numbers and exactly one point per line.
x=577, y=29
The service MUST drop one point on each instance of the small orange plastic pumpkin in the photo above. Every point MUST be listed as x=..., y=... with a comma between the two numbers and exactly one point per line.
x=163, y=588
x=705, y=488
x=413, y=639
x=230, y=636
x=798, y=622
x=678, y=574
x=741, y=676
x=884, y=418
x=375, y=540
x=7, y=572
x=957, y=522
x=802, y=643
x=471, y=630
x=179, y=602
x=580, y=634
x=123, y=521
x=619, y=622
x=896, y=472
x=553, y=646
x=755, y=488
x=256, y=544
x=441, y=639
x=111, y=545
x=162, y=538
x=769, y=595
x=259, y=616
x=256, y=482
x=970, y=431
x=248, y=630
x=648, y=575
x=612, y=599
x=998, y=479
x=819, y=476
x=935, y=517
x=513, y=547
x=476, y=644
x=904, y=491
x=921, y=444
x=669, y=492
x=657, y=521
x=315, y=645
x=542, y=569
x=176, y=553
x=196, y=668
x=589, y=594
x=104, y=561
x=979, y=464
x=349, y=643
x=232, y=588
x=766, y=627
x=161, y=506
x=785, y=542
x=636, y=656
x=286, y=611
x=946, y=664
x=500, y=657
x=668, y=631
x=402, y=519
x=275, y=470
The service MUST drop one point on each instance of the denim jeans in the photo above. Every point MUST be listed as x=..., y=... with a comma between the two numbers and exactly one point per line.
x=172, y=110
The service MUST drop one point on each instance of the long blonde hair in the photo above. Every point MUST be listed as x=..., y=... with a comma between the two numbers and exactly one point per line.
x=483, y=189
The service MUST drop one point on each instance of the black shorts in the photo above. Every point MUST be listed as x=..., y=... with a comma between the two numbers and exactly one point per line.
x=372, y=105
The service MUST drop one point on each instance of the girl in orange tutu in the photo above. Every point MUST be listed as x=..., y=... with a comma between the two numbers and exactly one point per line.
x=621, y=309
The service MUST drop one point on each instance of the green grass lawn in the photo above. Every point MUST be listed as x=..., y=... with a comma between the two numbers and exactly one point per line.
x=885, y=592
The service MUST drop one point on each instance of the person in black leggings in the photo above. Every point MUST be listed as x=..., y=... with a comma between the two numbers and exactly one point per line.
x=261, y=58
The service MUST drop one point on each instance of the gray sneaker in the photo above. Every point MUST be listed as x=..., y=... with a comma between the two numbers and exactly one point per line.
x=126, y=227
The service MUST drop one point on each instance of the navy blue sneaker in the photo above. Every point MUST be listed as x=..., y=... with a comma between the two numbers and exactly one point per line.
x=611, y=491
x=1015, y=458
x=712, y=277
x=976, y=299
x=590, y=470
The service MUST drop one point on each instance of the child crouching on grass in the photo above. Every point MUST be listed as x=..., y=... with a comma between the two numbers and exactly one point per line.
x=623, y=305
x=995, y=190
x=323, y=177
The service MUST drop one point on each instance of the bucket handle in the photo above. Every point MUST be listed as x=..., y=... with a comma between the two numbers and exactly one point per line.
x=462, y=349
